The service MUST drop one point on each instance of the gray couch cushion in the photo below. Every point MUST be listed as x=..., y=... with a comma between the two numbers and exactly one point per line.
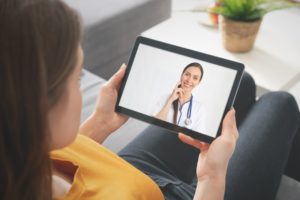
x=289, y=189
x=111, y=26
x=90, y=86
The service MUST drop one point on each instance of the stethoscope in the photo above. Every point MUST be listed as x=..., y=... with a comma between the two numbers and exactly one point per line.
x=188, y=121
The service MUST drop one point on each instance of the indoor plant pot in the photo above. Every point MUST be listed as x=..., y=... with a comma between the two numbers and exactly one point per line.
x=238, y=36
x=241, y=19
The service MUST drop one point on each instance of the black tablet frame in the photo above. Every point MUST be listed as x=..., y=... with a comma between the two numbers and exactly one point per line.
x=239, y=67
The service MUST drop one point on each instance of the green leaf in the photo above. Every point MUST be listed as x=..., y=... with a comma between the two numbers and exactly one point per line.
x=250, y=10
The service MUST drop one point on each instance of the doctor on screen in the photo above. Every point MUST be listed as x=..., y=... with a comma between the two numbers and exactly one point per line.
x=181, y=107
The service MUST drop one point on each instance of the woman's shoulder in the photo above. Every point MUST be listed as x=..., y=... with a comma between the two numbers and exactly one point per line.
x=115, y=173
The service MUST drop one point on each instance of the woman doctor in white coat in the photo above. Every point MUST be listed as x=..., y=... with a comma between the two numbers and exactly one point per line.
x=181, y=107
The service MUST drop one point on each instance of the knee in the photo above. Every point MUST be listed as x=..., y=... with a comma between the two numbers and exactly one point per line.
x=248, y=79
x=284, y=102
x=248, y=83
x=282, y=97
x=247, y=90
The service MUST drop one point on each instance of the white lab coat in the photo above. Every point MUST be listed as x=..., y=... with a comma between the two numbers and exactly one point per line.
x=198, y=114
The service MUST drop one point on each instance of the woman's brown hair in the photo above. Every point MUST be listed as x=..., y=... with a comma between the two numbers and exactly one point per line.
x=175, y=103
x=39, y=40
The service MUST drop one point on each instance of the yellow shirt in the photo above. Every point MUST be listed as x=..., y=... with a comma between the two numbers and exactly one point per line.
x=101, y=174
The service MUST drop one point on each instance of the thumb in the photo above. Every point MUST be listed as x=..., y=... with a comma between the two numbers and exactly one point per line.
x=229, y=127
x=115, y=80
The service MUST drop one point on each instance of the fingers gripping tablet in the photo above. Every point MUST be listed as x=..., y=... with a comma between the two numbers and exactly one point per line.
x=178, y=89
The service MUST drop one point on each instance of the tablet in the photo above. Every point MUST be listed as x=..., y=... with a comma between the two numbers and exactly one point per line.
x=178, y=89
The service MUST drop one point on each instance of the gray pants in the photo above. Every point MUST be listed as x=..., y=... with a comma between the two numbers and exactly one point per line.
x=267, y=128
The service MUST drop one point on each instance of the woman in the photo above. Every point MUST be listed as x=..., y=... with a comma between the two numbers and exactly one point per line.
x=181, y=107
x=41, y=60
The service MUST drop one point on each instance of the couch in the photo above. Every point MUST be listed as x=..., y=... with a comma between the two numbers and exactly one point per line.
x=111, y=26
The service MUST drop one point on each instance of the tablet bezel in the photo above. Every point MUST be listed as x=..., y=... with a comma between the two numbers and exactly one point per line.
x=239, y=67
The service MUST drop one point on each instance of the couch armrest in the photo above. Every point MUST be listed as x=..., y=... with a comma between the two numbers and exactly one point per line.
x=111, y=26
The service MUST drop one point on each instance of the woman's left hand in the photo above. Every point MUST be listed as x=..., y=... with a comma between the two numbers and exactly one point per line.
x=214, y=157
x=105, y=120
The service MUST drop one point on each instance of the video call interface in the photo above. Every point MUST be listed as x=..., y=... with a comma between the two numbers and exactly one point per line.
x=178, y=89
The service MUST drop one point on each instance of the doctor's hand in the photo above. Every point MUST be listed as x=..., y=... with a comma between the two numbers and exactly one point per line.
x=177, y=93
x=104, y=119
x=213, y=159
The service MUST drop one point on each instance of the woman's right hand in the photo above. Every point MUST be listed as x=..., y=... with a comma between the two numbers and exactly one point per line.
x=177, y=93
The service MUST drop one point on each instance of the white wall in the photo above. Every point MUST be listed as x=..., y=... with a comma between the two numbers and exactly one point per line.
x=155, y=72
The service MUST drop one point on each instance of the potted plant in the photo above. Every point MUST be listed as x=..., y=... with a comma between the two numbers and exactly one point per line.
x=241, y=19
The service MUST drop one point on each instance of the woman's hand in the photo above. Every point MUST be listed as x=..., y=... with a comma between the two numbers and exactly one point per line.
x=163, y=113
x=105, y=120
x=177, y=93
x=213, y=159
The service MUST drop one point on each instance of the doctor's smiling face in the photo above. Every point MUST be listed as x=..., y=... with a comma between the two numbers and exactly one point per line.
x=191, y=77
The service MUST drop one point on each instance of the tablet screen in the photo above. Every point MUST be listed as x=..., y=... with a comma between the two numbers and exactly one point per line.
x=178, y=90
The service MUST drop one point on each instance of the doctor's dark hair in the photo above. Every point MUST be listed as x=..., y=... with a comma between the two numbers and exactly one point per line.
x=176, y=102
x=39, y=41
